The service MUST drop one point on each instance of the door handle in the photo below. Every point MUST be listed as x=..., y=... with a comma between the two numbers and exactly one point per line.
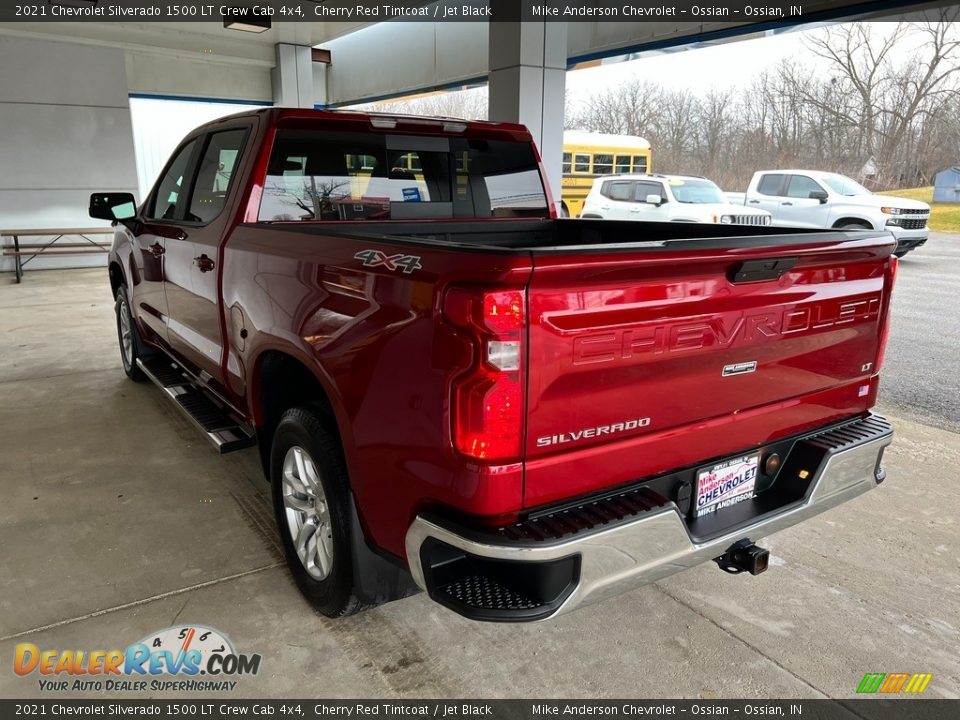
x=787, y=203
x=204, y=263
x=754, y=202
x=157, y=249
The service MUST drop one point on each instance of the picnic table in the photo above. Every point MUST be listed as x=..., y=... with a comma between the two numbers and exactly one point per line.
x=23, y=253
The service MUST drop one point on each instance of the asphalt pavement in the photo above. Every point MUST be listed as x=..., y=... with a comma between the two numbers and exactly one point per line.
x=920, y=378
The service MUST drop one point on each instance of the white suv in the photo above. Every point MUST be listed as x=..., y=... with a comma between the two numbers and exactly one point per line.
x=666, y=198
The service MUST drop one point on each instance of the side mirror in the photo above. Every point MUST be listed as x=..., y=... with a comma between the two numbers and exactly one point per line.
x=113, y=206
x=654, y=200
x=820, y=195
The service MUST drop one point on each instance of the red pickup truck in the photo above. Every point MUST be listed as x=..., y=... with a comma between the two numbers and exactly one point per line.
x=452, y=389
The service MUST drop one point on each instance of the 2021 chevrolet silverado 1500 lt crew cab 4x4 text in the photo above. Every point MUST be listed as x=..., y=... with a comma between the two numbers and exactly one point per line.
x=816, y=199
x=451, y=389
x=666, y=198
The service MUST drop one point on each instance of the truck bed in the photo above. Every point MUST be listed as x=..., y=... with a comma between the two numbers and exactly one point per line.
x=649, y=346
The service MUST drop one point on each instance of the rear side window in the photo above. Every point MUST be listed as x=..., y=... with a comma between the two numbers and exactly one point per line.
x=771, y=184
x=214, y=175
x=369, y=176
x=171, y=187
x=617, y=190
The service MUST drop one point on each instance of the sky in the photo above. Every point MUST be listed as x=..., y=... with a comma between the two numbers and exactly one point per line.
x=731, y=64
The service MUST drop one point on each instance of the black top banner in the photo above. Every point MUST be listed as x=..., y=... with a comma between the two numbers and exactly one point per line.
x=259, y=13
x=205, y=708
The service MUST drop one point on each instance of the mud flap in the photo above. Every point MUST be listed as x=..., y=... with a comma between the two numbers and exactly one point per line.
x=376, y=579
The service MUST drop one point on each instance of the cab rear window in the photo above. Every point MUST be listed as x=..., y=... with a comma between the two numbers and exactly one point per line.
x=374, y=176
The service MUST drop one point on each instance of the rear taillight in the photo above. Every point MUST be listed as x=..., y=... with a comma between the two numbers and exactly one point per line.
x=488, y=398
x=885, y=329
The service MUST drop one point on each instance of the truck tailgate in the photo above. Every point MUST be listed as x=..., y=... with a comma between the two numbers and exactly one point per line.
x=653, y=359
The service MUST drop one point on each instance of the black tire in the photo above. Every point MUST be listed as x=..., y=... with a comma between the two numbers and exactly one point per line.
x=131, y=347
x=335, y=593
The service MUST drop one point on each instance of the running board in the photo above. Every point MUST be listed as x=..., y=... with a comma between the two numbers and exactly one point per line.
x=224, y=431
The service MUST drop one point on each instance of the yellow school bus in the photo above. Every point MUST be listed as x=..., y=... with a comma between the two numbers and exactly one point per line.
x=587, y=155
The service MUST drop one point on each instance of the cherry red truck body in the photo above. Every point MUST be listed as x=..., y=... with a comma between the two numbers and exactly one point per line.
x=637, y=355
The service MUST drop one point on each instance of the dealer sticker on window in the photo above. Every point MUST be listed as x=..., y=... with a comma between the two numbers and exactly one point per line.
x=726, y=484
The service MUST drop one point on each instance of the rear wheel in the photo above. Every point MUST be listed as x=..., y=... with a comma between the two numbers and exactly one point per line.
x=131, y=346
x=310, y=500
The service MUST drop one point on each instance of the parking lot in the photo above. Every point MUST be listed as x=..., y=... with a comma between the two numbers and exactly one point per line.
x=118, y=520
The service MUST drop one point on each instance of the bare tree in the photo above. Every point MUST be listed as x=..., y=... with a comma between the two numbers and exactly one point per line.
x=631, y=109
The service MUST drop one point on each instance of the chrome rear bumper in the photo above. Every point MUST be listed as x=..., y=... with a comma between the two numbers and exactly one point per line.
x=657, y=543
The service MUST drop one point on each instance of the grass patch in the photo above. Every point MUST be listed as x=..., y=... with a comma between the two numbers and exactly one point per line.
x=944, y=217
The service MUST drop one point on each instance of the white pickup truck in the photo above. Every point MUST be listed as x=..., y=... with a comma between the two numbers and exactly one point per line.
x=816, y=199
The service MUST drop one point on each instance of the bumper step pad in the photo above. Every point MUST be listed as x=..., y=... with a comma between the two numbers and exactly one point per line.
x=482, y=592
x=225, y=432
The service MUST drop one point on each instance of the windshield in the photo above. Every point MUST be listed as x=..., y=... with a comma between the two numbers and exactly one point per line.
x=842, y=185
x=696, y=192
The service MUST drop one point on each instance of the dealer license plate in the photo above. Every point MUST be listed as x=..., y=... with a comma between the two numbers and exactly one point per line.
x=725, y=484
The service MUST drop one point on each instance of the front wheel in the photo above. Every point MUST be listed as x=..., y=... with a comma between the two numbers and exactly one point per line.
x=311, y=504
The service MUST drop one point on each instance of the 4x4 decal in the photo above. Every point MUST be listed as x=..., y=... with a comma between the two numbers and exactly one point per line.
x=375, y=258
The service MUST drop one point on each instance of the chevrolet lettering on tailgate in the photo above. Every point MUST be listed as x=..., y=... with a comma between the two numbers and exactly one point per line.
x=719, y=332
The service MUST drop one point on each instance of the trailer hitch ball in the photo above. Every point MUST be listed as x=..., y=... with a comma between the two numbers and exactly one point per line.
x=744, y=556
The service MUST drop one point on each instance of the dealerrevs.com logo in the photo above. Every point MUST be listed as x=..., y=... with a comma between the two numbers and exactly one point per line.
x=183, y=658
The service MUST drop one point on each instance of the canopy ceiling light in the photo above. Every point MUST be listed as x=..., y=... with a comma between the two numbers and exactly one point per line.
x=244, y=19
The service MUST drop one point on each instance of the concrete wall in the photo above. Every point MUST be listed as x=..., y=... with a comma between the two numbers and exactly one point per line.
x=67, y=129
x=167, y=74
x=66, y=132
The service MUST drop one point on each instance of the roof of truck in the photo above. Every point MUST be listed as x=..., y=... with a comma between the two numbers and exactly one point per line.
x=406, y=123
